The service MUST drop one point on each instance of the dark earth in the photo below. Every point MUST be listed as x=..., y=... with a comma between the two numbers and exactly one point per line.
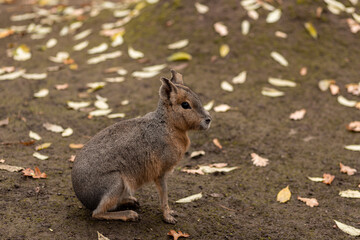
x=244, y=206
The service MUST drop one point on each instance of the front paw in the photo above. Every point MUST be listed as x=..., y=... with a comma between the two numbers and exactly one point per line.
x=169, y=219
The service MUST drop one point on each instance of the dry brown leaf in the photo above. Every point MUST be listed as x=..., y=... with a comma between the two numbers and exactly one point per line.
x=328, y=178
x=298, y=115
x=217, y=143
x=4, y=122
x=311, y=202
x=334, y=89
x=259, y=161
x=35, y=174
x=6, y=33
x=28, y=143
x=76, y=145
x=10, y=168
x=353, y=126
x=177, y=235
x=284, y=195
x=61, y=86
x=348, y=170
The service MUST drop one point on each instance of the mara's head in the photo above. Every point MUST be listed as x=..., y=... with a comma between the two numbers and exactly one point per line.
x=183, y=107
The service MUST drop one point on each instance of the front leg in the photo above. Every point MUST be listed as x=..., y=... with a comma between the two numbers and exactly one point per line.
x=162, y=188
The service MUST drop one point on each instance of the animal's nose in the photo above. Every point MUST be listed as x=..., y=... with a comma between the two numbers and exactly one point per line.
x=208, y=120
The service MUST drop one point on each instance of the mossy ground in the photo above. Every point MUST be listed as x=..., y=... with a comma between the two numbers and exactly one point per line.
x=247, y=208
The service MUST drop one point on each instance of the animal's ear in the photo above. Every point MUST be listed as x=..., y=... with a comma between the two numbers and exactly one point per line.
x=167, y=89
x=176, y=77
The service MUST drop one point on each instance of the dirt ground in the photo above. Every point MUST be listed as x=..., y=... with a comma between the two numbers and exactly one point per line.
x=246, y=206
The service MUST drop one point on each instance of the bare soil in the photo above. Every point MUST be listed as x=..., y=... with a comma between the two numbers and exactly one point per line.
x=246, y=206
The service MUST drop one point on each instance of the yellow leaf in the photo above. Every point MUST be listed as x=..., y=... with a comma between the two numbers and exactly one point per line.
x=284, y=195
x=42, y=146
x=179, y=56
x=224, y=50
x=311, y=29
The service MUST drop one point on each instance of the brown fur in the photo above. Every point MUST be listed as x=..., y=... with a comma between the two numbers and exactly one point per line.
x=123, y=157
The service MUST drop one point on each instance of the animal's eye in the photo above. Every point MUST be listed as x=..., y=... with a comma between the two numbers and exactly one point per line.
x=185, y=105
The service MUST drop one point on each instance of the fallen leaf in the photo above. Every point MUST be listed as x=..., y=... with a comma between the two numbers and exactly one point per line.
x=98, y=49
x=280, y=34
x=76, y=145
x=6, y=32
x=193, y=171
x=101, y=104
x=271, y=92
x=72, y=158
x=348, y=229
x=311, y=202
x=245, y=27
x=179, y=44
x=116, y=115
x=325, y=84
x=209, y=105
x=353, y=126
x=42, y=146
x=284, y=195
x=334, y=89
x=353, y=25
x=117, y=39
x=239, y=79
x=353, y=88
x=345, y=102
x=179, y=56
x=196, y=154
x=12, y=76
x=60, y=57
x=298, y=115
x=259, y=161
x=177, y=235
x=144, y=74
x=100, y=112
x=22, y=53
x=350, y=194
x=217, y=143
x=328, y=178
x=281, y=82
x=201, y=8
x=51, y=43
x=67, y=132
x=221, y=29
x=81, y=46
x=34, y=174
x=273, y=16
x=303, y=71
x=82, y=34
x=61, y=86
x=27, y=143
x=222, y=108
x=279, y=58
x=311, y=29
x=353, y=147
x=40, y=156
x=134, y=54
x=10, y=168
x=94, y=86
x=224, y=50
x=42, y=93
x=348, y=170
x=212, y=169
x=190, y=198
x=53, y=127
x=226, y=86
x=34, y=76
x=102, y=237
x=4, y=122
x=316, y=179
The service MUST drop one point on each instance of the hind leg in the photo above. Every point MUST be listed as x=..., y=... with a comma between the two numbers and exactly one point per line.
x=110, y=201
